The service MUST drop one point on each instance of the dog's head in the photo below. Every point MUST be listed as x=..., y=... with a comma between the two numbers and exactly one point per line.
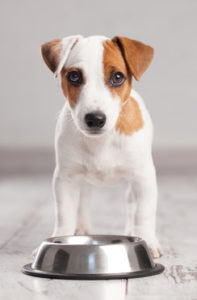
x=96, y=75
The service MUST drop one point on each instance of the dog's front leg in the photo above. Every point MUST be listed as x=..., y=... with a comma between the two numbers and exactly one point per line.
x=66, y=194
x=130, y=211
x=84, y=222
x=145, y=193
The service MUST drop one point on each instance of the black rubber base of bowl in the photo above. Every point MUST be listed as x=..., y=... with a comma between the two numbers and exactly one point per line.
x=27, y=269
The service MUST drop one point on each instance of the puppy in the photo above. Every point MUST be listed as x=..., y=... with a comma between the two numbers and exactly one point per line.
x=104, y=132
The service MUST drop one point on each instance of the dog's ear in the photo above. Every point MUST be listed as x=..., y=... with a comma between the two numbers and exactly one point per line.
x=137, y=55
x=55, y=53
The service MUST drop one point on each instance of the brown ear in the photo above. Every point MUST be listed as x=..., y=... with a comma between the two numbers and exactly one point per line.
x=137, y=55
x=56, y=52
x=51, y=54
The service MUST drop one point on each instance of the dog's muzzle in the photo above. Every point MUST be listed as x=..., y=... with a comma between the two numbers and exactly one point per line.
x=95, y=121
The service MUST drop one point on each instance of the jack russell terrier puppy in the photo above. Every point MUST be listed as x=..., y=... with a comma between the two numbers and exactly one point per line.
x=104, y=132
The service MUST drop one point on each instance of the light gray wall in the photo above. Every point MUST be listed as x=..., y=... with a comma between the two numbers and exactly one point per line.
x=31, y=98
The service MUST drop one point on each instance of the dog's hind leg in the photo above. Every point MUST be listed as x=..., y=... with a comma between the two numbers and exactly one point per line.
x=83, y=221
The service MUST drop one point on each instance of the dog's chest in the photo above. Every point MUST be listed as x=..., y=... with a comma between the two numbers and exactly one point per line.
x=105, y=164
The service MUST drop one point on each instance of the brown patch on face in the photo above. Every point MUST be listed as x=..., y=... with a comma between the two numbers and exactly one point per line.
x=130, y=118
x=113, y=62
x=137, y=55
x=51, y=54
x=71, y=92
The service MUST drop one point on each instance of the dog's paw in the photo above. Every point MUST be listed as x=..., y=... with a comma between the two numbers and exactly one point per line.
x=152, y=243
x=82, y=231
x=154, y=247
x=156, y=252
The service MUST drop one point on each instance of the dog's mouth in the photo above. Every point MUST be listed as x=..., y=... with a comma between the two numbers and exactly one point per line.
x=94, y=132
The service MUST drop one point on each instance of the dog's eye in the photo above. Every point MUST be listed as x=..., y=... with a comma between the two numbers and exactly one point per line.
x=74, y=77
x=117, y=79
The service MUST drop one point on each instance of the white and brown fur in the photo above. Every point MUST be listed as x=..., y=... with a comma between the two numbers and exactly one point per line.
x=121, y=151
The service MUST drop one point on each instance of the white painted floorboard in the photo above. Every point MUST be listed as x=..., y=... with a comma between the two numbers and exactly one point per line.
x=26, y=218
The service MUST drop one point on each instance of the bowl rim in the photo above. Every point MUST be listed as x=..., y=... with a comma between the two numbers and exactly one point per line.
x=157, y=269
x=125, y=240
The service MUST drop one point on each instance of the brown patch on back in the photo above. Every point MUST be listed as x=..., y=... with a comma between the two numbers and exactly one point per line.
x=51, y=54
x=130, y=118
x=113, y=62
x=71, y=92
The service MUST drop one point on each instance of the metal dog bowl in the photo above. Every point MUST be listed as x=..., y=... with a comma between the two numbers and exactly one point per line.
x=93, y=257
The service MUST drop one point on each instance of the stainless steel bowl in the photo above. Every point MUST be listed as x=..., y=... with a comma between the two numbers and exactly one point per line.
x=93, y=257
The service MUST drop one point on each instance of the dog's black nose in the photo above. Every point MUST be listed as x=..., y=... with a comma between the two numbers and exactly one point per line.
x=95, y=119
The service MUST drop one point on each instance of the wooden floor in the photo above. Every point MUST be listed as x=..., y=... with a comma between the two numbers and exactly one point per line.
x=26, y=218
